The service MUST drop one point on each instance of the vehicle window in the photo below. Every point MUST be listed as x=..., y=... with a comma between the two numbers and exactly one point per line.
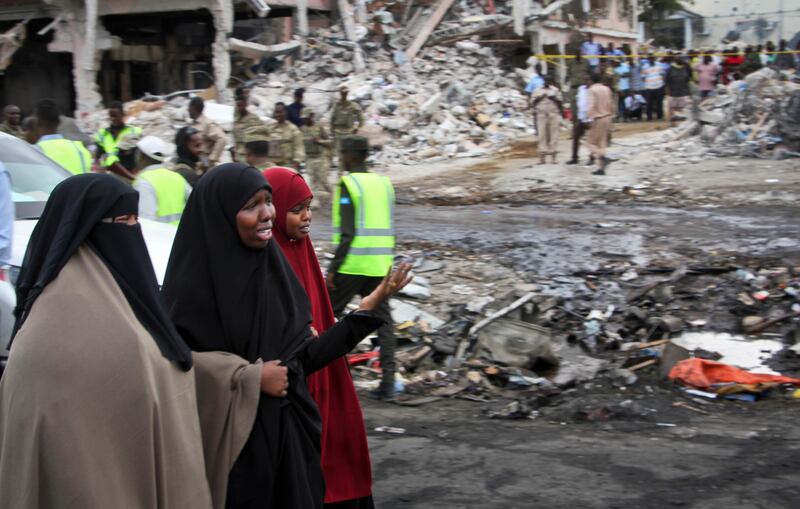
x=32, y=182
x=33, y=175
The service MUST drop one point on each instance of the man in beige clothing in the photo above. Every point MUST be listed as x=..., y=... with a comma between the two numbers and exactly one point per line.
x=213, y=135
x=547, y=106
x=601, y=111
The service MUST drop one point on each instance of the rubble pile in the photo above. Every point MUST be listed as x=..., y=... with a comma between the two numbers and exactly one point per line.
x=433, y=108
x=519, y=347
x=454, y=100
x=758, y=116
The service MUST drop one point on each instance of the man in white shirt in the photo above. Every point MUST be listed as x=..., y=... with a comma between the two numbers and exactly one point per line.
x=6, y=216
x=579, y=128
x=633, y=105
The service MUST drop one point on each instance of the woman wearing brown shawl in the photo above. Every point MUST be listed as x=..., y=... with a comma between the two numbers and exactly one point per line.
x=229, y=288
x=97, y=405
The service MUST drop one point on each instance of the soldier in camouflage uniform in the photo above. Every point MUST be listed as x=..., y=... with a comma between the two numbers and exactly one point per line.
x=318, y=146
x=346, y=118
x=256, y=148
x=243, y=120
x=12, y=119
x=285, y=140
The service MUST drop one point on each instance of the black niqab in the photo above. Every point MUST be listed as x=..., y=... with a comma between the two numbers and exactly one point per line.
x=72, y=216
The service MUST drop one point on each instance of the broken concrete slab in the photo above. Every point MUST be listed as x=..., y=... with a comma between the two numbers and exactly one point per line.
x=257, y=51
x=516, y=343
x=403, y=311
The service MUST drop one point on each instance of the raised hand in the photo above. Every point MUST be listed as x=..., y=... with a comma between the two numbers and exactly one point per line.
x=395, y=280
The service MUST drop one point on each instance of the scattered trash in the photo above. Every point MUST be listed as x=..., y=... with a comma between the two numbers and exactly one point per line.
x=704, y=374
x=741, y=352
x=514, y=410
x=391, y=430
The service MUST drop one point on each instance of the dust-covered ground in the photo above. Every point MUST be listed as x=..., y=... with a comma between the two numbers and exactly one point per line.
x=498, y=223
x=738, y=456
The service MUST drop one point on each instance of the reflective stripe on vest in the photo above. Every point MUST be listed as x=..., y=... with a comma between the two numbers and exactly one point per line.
x=170, y=190
x=71, y=155
x=108, y=143
x=371, y=251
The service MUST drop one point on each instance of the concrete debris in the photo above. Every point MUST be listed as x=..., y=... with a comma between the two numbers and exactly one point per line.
x=257, y=51
x=431, y=108
x=515, y=343
x=521, y=348
x=10, y=42
x=755, y=117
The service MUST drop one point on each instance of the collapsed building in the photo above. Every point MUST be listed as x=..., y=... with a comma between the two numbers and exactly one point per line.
x=84, y=53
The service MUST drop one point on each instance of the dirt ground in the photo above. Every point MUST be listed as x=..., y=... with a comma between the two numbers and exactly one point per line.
x=453, y=456
x=599, y=444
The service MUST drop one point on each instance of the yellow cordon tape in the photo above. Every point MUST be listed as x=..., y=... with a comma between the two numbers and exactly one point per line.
x=646, y=55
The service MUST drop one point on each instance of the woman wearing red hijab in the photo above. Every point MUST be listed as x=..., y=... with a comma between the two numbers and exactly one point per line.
x=345, y=455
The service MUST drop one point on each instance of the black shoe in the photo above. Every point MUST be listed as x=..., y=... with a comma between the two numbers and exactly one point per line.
x=572, y=161
x=383, y=395
x=599, y=172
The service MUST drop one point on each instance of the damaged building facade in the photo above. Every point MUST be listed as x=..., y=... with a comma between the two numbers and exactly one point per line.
x=85, y=53
x=554, y=26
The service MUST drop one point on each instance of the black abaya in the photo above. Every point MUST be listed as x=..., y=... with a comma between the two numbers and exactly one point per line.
x=225, y=296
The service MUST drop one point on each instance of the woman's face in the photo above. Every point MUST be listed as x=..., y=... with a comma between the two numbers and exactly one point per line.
x=254, y=220
x=195, y=144
x=298, y=220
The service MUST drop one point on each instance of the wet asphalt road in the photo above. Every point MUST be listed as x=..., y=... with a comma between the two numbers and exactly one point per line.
x=553, y=240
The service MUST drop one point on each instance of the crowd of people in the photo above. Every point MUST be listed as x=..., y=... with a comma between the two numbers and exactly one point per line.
x=639, y=85
x=293, y=140
x=227, y=386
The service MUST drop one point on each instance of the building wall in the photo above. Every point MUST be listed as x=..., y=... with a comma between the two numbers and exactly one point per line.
x=606, y=20
x=779, y=19
x=35, y=73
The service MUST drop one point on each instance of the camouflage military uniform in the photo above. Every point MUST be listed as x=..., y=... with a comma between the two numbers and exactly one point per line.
x=318, y=155
x=286, y=144
x=239, y=127
x=12, y=130
x=343, y=119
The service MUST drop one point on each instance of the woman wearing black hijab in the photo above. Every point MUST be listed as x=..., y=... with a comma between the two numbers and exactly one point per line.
x=98, y=403
x=229, y=288
x=188, y=147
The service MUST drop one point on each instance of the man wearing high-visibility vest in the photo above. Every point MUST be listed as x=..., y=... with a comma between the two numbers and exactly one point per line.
x=162, y=192
x=363, y=228
x=71, y=155
x=108, y=138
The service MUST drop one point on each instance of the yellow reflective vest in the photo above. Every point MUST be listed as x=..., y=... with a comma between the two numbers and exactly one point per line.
x=170, y=188
x=71, y=155
x=372, y=249
x=108, y=143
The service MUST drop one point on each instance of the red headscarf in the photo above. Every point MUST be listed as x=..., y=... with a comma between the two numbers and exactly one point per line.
x=289, y=188
x=345, y=455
